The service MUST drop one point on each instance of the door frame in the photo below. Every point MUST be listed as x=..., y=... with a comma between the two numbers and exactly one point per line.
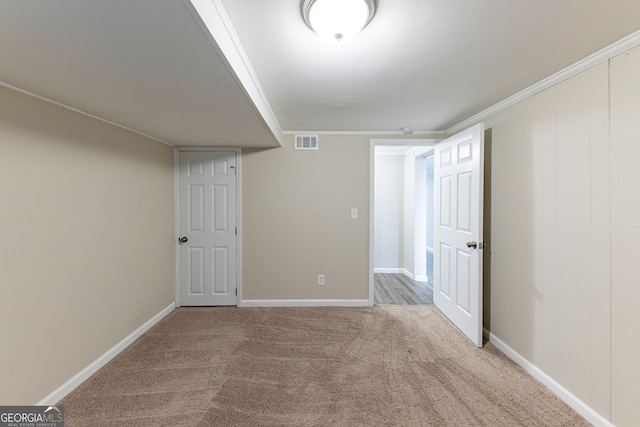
x=176, y=167
x=417, y=142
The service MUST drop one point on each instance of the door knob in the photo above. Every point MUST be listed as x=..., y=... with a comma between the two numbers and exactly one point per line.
x=472, y=245
x=183, y=240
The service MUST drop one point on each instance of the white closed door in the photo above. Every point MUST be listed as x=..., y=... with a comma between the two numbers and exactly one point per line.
x=458, y=204
x=207, y=228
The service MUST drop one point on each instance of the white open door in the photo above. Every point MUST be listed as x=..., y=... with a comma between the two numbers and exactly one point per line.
x=458, y=204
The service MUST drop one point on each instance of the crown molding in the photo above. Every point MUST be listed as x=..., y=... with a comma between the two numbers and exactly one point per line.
x=215, y=23
x=84, y=113
x=603, y=55
x=437, y=134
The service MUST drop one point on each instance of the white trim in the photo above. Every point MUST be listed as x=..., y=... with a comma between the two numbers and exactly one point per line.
x=372, y=174
x=239, y=225
x=238, y=152
x=223, y=38
x=66, y=388
x=569, y=398
x=422, y=142
x=176, y=197
x=391, y=154
x=84, y=113
x=305, y=303
x=436, y=134
x=389, y=270
x=403, y=271
x=602, y=55
x=407, y=273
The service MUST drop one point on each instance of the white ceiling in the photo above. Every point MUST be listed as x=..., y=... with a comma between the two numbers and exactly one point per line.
x=423, y=64
x=160, y=68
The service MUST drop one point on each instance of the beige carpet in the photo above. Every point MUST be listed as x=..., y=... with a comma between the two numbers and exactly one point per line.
x=379, y=366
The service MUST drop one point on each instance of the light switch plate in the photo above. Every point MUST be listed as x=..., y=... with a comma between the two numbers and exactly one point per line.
x=354, y=213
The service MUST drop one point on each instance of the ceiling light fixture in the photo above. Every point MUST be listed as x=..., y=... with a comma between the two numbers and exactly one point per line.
x=337, y=21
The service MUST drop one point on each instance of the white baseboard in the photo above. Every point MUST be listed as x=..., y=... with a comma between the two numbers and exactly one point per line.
x=305, y=303
x=410, y=275
x=407, y=273
x=66, y=388
x=389, y=270
x=404, y=271
x=569, y=398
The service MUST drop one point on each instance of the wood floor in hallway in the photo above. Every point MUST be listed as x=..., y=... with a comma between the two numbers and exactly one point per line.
x=391, y=288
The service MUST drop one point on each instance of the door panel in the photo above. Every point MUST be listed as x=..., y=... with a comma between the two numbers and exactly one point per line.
x=464, y=202
x=220, y=270
x=463, y=282
x=445, y=270
x=445, y=202
x=458, y=226
x=196, y=208
x=196, y=270
x=207, y=219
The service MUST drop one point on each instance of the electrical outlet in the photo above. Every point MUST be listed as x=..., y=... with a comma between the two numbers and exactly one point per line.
x=320, y=279
x=354, y=213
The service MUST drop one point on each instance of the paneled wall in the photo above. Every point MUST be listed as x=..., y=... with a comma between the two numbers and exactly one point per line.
x=625, y=238
x=565, y=213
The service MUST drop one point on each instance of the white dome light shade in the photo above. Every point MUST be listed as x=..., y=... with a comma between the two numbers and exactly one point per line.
x=337, y=21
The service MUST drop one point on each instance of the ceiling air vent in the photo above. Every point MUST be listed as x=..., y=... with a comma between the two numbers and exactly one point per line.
x=306, y=142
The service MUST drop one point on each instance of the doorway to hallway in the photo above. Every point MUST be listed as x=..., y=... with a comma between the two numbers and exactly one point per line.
x=402, y=182
x=457, y=224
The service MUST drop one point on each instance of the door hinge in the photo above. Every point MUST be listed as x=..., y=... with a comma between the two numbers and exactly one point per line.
x=236, y=291
x=235, y=169
x=236, y=231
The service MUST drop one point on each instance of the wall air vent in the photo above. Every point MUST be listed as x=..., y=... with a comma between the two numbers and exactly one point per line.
x=306, y=142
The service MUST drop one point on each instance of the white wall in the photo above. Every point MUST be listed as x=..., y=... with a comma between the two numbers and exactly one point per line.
x=419, y=218
x=408, y=215
x=388, y=211
x=404, y=197
x=429, y=201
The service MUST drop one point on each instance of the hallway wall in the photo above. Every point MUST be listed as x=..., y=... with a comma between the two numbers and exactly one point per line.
x=388, y=196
